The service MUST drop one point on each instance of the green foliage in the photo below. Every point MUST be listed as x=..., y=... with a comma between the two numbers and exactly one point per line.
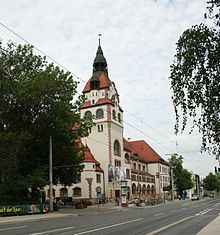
x=195, y=84
x=36, y=102
x=176, y=163
x=211, y=182
x=182, y=178
x=213, y=11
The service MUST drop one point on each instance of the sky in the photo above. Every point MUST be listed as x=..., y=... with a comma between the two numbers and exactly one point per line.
x=139, y=42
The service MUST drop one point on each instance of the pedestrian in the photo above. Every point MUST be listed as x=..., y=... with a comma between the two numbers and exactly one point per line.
x=118, y=201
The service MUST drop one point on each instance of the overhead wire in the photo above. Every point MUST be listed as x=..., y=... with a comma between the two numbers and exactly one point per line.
x=78, y=78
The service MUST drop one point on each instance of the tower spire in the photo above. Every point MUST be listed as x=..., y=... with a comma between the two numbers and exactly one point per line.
x=100, y=63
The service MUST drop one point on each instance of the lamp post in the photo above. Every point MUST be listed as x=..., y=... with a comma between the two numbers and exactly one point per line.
x=171, y=179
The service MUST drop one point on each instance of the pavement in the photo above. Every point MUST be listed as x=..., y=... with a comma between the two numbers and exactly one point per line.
x=212, y=228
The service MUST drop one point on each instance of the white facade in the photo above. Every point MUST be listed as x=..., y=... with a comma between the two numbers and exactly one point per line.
x=109, y=158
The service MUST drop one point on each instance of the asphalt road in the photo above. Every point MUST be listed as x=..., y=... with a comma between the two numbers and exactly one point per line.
x=186, y=218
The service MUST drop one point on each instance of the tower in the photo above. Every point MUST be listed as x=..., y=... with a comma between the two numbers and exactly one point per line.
x=106, y=137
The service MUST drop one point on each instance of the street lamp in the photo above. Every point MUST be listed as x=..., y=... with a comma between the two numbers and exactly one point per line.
x=171, y=176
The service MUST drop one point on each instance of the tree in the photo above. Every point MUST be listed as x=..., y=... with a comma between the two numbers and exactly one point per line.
x=176, y=163
x=184, y=181
x=195, y=82
x=36, y=102
x=182, y=178
x=211, y=183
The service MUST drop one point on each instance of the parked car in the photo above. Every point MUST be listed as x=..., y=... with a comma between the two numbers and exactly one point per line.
x=195, y=197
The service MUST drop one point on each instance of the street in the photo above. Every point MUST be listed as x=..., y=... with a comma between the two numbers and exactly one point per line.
x=185, y=217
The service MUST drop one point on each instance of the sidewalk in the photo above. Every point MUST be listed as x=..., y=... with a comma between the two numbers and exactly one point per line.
x=63, y=212
x=212, y=228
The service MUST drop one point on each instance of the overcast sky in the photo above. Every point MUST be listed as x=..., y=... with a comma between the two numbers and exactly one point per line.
x=138, y=41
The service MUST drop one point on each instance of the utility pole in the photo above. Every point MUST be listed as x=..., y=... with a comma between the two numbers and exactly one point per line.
x=50, y=175
x=171, y=179
x=139, y=188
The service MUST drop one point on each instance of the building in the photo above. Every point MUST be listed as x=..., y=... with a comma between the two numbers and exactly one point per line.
x=109, y=158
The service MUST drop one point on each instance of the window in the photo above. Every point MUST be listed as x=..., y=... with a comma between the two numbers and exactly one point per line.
x=119, y=117
x=98, y=178
x=127, y=173
x=127, y=158
x=88, y=115
x=117, y=149
x=63, y=192
x=117, y=163
x=93, y=101
x=134, y=165
x=77, y=192
x=99, y=113
x=144, y=168
x=139, y=167
x=113, y=114
x=100, y=128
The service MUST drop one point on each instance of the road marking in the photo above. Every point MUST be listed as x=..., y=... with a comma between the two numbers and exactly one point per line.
x=2, y=229
x=205, y=211
x=158, y=214
x=109, y=226
x=168, y=226
x=51, y=231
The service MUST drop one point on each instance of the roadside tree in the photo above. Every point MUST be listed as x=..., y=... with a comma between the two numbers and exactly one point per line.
x=36, y=102
x=211, y=183
x=182, y=178
x=195, y=81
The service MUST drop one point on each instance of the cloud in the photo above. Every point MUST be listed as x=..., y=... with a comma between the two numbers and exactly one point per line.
x=139, y=41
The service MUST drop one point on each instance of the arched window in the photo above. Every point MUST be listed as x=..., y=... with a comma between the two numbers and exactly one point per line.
x=119, y=117
x=127, y=160
x=144, y=189
x=152, y=189
x=88, y=115
x=117, y=148
x=99, y=113
x=113, y=114
x=148, y=189
x=77, y=192
x=134, y=165
x=134, y=189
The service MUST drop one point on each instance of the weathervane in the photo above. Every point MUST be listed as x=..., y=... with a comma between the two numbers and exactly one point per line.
x=99, y=37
